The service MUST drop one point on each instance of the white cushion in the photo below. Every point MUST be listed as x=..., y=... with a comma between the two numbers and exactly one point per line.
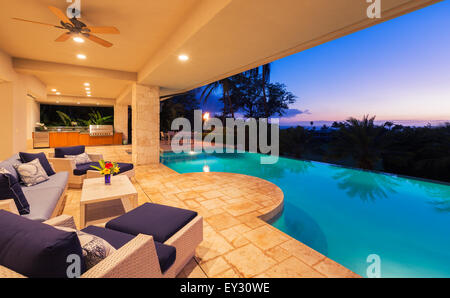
x=80, y=158
x=32, y=172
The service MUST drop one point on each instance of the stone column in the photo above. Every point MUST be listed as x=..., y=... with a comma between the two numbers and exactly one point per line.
x=145, y=119
x=121, y=119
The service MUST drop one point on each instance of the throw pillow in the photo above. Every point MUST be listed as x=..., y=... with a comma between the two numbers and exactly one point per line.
x=10, y=189
x=95, y=249
x=80, y=158
x=27, y=157
x=31, y=173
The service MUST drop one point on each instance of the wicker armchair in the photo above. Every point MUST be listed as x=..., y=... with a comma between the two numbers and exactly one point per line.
x=136, y=259
x=68, y=165
x=9, y=206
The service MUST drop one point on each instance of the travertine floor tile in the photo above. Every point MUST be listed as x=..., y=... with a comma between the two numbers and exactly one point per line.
x=249, y=260
x=302, y=252
x=215, y=266
x=291, y=268
x=265, y=237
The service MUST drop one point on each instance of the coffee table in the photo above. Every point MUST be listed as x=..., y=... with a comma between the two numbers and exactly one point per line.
x=100, y=202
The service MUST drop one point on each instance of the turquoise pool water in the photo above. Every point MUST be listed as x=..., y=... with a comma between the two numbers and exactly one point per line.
x=349, y=214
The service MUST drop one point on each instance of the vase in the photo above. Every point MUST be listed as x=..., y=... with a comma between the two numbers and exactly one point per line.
x=108, y=179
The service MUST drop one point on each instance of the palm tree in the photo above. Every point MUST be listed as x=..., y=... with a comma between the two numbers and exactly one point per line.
x=226, y=86
x=360, y=139
x=265, y=80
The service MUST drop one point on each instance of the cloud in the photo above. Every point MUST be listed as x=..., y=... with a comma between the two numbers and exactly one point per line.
x=294, y=112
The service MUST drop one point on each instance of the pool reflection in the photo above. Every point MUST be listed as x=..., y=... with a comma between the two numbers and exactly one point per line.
x=365, y=185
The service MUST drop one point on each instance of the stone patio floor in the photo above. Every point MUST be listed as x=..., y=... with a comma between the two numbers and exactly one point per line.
x=237, y=243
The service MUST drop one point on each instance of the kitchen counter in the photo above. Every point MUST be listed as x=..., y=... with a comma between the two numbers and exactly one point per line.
x=75, y=138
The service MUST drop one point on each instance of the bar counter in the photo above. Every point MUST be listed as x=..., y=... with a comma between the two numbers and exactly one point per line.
x=75, y=138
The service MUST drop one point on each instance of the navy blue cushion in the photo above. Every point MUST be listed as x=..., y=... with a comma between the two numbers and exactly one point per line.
x=35, y=249
x=11, y=189
x=159, y=221
x=83, y=168
x=166, y=253
x=74, y=150
x=27, y=157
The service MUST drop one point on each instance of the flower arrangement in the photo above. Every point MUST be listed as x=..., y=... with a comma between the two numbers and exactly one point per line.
x=107, y=169
x=41, y=127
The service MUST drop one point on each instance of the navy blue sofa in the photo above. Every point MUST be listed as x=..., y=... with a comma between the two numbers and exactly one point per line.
x=46, y=199
x=44, y=251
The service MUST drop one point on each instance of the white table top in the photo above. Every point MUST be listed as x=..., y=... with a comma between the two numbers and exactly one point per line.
x=95, y=189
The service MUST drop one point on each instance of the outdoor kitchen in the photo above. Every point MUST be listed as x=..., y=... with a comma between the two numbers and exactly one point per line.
x=72, y=126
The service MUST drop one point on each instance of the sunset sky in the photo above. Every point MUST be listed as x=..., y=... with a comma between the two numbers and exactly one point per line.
x=398, y=70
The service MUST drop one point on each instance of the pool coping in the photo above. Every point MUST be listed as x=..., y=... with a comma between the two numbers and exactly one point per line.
x=318, y=264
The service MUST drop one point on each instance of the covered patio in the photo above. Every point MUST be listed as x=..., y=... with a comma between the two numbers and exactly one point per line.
x=166, y=48
x=237, y=242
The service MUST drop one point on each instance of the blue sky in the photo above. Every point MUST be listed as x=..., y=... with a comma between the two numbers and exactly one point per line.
x=397, y=70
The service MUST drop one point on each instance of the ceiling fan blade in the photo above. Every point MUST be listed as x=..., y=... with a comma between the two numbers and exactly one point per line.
x=103, y=29
x=99, y=40
x=57, y=12
x=63, y=37
x=34, y=22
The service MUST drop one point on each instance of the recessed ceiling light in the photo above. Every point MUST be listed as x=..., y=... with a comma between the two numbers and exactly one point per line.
x=87, y=84
x=78, y=103
x=88, y=95
x=183, y=57
x=88, y=88
x=78, y=39
x=54, y=90
x=57, y=101
x=81, y=56
x=58, y=93
x=97, y=104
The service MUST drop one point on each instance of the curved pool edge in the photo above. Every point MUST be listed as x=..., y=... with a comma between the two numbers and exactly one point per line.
x=292, y=257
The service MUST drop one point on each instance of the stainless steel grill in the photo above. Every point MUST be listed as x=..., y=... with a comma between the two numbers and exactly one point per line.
x=101, y=130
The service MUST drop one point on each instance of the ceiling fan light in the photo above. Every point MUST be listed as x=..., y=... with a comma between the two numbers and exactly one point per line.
x=78, y=39
x=81, y=56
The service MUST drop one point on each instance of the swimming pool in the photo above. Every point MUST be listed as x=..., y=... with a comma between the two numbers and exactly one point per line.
x=349, y=214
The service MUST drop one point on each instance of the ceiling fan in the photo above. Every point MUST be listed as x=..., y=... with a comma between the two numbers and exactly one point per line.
x=76, y=27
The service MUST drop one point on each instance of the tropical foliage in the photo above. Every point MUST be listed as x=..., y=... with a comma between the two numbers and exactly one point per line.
x=360, y=139
x=53, y=115
x=65, y=119
x=413, y=151
x=96, y=118
x=178, y=106
x=252, y=93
